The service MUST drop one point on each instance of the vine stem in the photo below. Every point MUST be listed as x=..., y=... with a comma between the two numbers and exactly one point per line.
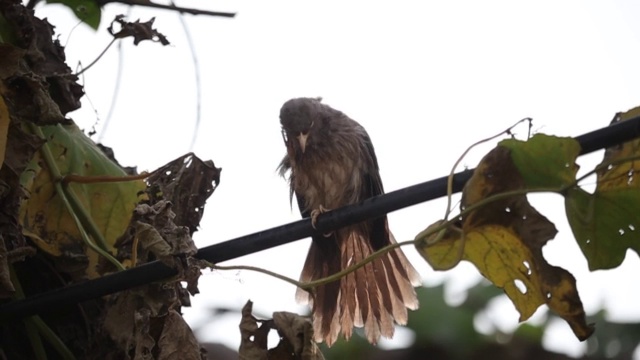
x=312, y=284
x=97, y=58
x=103, y=178
x=56, y=178
x=464, y=154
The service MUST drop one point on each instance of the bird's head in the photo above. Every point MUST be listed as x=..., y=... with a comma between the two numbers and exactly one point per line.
x=301, y=119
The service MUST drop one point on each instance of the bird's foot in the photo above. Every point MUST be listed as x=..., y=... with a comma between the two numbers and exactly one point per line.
x=315, y=213
x=314, y=218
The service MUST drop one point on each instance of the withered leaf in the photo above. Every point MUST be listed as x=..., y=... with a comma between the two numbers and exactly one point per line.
x=157, y=232
x=177, y=341
x=144, y=342
x=296, y=337
x=296, y=334
x=139, y=31
x=43, y=62
x=10, y=60
x=253, y=339
x=151, y=240
x=119, y=318
x=187, y=182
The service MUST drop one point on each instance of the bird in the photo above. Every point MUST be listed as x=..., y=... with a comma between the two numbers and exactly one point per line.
x=330, y=163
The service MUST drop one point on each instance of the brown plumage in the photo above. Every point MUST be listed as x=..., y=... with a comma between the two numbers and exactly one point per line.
x=331, y=163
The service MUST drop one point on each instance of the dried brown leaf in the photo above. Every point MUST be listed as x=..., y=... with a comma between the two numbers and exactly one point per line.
x=187, y=182
x=253, y=344
x=295, y=331
x=118, y=320
x=177, y=341
x=151, y=240
x=144, y=342
x=44, y=64
x=296, y=335
x=137, y=30
x=10, y=58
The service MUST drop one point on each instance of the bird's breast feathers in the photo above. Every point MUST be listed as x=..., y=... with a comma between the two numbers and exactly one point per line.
x=330, y=181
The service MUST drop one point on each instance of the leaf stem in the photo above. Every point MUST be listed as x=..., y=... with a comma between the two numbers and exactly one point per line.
x=96, y=59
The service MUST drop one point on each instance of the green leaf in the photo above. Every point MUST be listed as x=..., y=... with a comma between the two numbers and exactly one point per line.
x=544, y=160
x=87, y=11
x=607, y=223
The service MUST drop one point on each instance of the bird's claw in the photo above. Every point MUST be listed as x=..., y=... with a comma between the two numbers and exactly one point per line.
x=314, y=218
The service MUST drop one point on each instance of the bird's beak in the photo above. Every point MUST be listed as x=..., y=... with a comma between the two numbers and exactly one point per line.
x=302, y=139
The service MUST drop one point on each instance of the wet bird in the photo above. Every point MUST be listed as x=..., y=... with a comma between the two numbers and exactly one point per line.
x=331, y=163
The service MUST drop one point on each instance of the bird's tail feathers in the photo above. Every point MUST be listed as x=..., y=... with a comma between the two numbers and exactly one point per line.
x=374, y=296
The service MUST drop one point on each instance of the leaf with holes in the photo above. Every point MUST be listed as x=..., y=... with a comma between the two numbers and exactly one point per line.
x=544, y=160
x=504, y=239
x=607, y=222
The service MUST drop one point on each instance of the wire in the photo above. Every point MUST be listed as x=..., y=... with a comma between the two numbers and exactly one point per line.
x=248, y=244
x=196, y=73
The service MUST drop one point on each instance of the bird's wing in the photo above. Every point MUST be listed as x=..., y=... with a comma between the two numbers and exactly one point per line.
x=372, y=186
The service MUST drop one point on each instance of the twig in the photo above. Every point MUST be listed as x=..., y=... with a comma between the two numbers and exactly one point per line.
x=168, y=7
x=98, y=58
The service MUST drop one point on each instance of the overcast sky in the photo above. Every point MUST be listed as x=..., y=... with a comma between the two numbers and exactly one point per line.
x=426, y=79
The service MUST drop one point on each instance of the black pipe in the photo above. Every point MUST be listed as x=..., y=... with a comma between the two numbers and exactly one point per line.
x=248, y=244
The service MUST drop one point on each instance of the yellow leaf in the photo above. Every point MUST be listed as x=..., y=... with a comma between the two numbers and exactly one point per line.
x=444, y=249
x=45, y=218
x=527, y=279
x=504, y=239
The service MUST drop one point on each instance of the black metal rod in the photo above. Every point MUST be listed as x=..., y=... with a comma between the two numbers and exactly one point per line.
x=248, y=244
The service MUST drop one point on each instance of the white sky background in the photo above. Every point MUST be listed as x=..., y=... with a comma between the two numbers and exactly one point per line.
x=426, y=79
